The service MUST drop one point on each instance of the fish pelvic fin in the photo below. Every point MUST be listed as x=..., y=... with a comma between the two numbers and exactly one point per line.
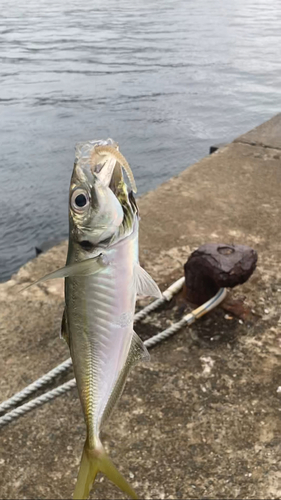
x=92, y=462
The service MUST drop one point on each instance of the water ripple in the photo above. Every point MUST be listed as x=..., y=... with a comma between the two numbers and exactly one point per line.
x=165, y=79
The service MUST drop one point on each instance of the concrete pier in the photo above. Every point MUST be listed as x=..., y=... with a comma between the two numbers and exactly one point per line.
x=202, y=419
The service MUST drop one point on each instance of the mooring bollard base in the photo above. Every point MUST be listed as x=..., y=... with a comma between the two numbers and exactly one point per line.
x=213, y=266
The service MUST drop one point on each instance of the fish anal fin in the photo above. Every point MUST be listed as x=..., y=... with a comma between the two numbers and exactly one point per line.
x=64, y=332
x=145, y=285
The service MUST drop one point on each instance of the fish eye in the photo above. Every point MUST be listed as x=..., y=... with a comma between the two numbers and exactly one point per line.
x=79, y=200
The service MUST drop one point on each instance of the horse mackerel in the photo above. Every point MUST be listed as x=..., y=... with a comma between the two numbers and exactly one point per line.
x=102, y=280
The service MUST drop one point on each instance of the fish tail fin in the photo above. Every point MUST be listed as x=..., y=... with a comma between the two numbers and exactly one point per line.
x=92, y=462
x=86, y=475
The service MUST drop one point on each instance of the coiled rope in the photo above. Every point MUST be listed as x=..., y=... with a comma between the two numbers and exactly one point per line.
x=188, y=319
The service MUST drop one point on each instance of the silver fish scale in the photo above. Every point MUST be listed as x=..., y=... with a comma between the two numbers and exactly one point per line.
x=97, y=345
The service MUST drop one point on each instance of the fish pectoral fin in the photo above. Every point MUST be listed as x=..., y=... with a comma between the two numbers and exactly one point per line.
x=138, y=351
x=145, y=285
x=83, y=268
x=64, y=332
x=92, y=462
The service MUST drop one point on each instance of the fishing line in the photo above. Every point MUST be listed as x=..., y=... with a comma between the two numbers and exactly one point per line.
x=188, y=319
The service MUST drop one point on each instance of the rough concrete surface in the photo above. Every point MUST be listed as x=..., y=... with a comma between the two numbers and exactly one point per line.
x=267, y=134
x=202, y=419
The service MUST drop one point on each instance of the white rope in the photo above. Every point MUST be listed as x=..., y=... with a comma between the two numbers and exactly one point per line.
x=167, y=295
x=52, y=374
x=45, y=379
x=44, y=398
x=186, y=320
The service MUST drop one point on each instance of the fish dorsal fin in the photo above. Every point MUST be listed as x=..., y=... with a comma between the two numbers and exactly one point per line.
x=64, y=332
x=145, y=285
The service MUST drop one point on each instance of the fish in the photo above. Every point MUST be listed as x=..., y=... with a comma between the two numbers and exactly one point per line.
x=103, y=278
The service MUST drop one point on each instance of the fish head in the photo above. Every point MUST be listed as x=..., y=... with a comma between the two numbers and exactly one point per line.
x=96, y=200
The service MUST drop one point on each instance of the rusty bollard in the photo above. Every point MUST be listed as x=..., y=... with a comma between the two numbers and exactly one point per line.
x=213, y=266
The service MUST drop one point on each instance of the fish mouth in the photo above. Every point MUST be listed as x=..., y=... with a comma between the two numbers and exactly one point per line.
x=103, y=168
x=109, y=172
x=102, y=158
x=110, y=155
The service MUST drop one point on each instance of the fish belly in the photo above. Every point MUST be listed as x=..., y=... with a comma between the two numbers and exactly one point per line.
x=100, y=318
